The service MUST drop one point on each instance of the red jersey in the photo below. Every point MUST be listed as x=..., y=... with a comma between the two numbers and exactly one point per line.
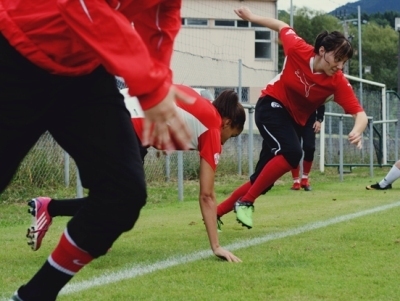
x=300, y=89
x=72, y=38
x=204, y=122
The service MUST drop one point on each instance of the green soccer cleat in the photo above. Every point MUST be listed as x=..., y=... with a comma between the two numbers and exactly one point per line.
x=244, y=213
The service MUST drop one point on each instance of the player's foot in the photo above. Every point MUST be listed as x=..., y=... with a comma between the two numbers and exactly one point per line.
x=296, y=186
x=378, y=187
x=41, y=221
x=305, y=184
x=219, y=224
x=244, y=213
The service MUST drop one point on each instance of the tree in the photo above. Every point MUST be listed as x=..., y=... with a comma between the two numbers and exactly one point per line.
x=379, y=50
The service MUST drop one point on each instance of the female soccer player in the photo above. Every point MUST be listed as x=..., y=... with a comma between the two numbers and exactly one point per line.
x=58, y=62
x=309, y=75
x=307, y=135
x=387, y=181
x=211, y=125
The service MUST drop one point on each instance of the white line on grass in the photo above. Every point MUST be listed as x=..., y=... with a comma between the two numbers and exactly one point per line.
x=139, y=270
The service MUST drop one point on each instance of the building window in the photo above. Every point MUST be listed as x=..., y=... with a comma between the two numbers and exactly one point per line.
x=262, y=44
x=195, y=22
x=230, y=23
x=242, y=23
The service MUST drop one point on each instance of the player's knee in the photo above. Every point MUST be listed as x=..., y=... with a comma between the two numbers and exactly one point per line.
x=267, y=189
x=309, y=154
x=293, y=157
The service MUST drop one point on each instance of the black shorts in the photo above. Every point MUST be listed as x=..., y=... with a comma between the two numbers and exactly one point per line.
x=87, y=117
x=279, y=131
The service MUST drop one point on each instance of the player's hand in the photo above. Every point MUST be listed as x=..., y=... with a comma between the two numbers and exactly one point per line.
x=243, y=12
x=317, y=126
x=163, y=127
x=226, y=255
x=355, y=138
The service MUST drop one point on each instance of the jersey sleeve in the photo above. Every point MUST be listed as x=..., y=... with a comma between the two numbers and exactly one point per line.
x=210, y=147
x=140, y=56
x=346, y=98
x=290, y=39
x=321, y=113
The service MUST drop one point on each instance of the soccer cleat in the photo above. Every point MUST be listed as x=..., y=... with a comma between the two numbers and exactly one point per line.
x=244, y=213
x=378, y=187
x=305, y=185
x=296, y=186
x=41, y=221
x=219, y=224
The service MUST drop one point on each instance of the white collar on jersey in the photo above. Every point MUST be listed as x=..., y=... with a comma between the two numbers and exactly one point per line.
x=312, y=65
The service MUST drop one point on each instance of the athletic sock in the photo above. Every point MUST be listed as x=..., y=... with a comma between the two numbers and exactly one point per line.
x=271, y=172
x=296, y=174
x=67, y=207
x=393, y=175
x=227, y=205
x=306, y=168
x=65, y=261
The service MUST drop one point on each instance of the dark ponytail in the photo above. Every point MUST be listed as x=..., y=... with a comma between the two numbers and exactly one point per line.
x=228, y=105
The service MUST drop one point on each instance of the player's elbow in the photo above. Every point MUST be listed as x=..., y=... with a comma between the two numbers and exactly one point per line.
x=206, y=196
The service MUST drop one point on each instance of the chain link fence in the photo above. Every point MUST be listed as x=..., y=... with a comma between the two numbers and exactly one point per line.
x=48, y=165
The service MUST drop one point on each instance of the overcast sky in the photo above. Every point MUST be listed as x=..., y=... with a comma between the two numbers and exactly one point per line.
x=320, y=5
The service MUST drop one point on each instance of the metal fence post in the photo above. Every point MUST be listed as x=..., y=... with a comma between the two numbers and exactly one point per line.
x=167, y=167
x=66, y=169
x=396, y=142
x=240, y=100
x=341, y=147
x=371, y=147
x=250, y=141
x=79, y=188
x=180, y=175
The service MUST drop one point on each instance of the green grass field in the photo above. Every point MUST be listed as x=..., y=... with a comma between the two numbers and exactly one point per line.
x=337, y=242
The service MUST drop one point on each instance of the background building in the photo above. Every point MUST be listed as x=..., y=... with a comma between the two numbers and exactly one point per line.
x=213, y=41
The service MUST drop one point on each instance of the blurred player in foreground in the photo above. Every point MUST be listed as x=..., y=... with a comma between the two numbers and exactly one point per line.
x=58, y=62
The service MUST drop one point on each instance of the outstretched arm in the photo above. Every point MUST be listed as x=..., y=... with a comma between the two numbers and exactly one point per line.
x=360, y=123
x=272, y=23
x=208, y=206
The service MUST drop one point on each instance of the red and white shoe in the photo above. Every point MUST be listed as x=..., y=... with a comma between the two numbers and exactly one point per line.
x=296, y=186
x=41, y=221
x=305, y=184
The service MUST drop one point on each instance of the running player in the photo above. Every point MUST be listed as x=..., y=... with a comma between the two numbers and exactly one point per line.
x=309, y=76
x=58, y=62
x=211, y=125
x=387, y=181
x=307, y=135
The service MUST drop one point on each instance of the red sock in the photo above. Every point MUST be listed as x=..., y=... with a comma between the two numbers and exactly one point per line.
x=227, y=205
x=271, y=172
x=306, y=167
x=68, y=257
x=296, y=173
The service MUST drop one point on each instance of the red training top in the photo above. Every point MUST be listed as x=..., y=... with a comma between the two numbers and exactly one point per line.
x=204, y=122
x=300, y=89
x=72, y=38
